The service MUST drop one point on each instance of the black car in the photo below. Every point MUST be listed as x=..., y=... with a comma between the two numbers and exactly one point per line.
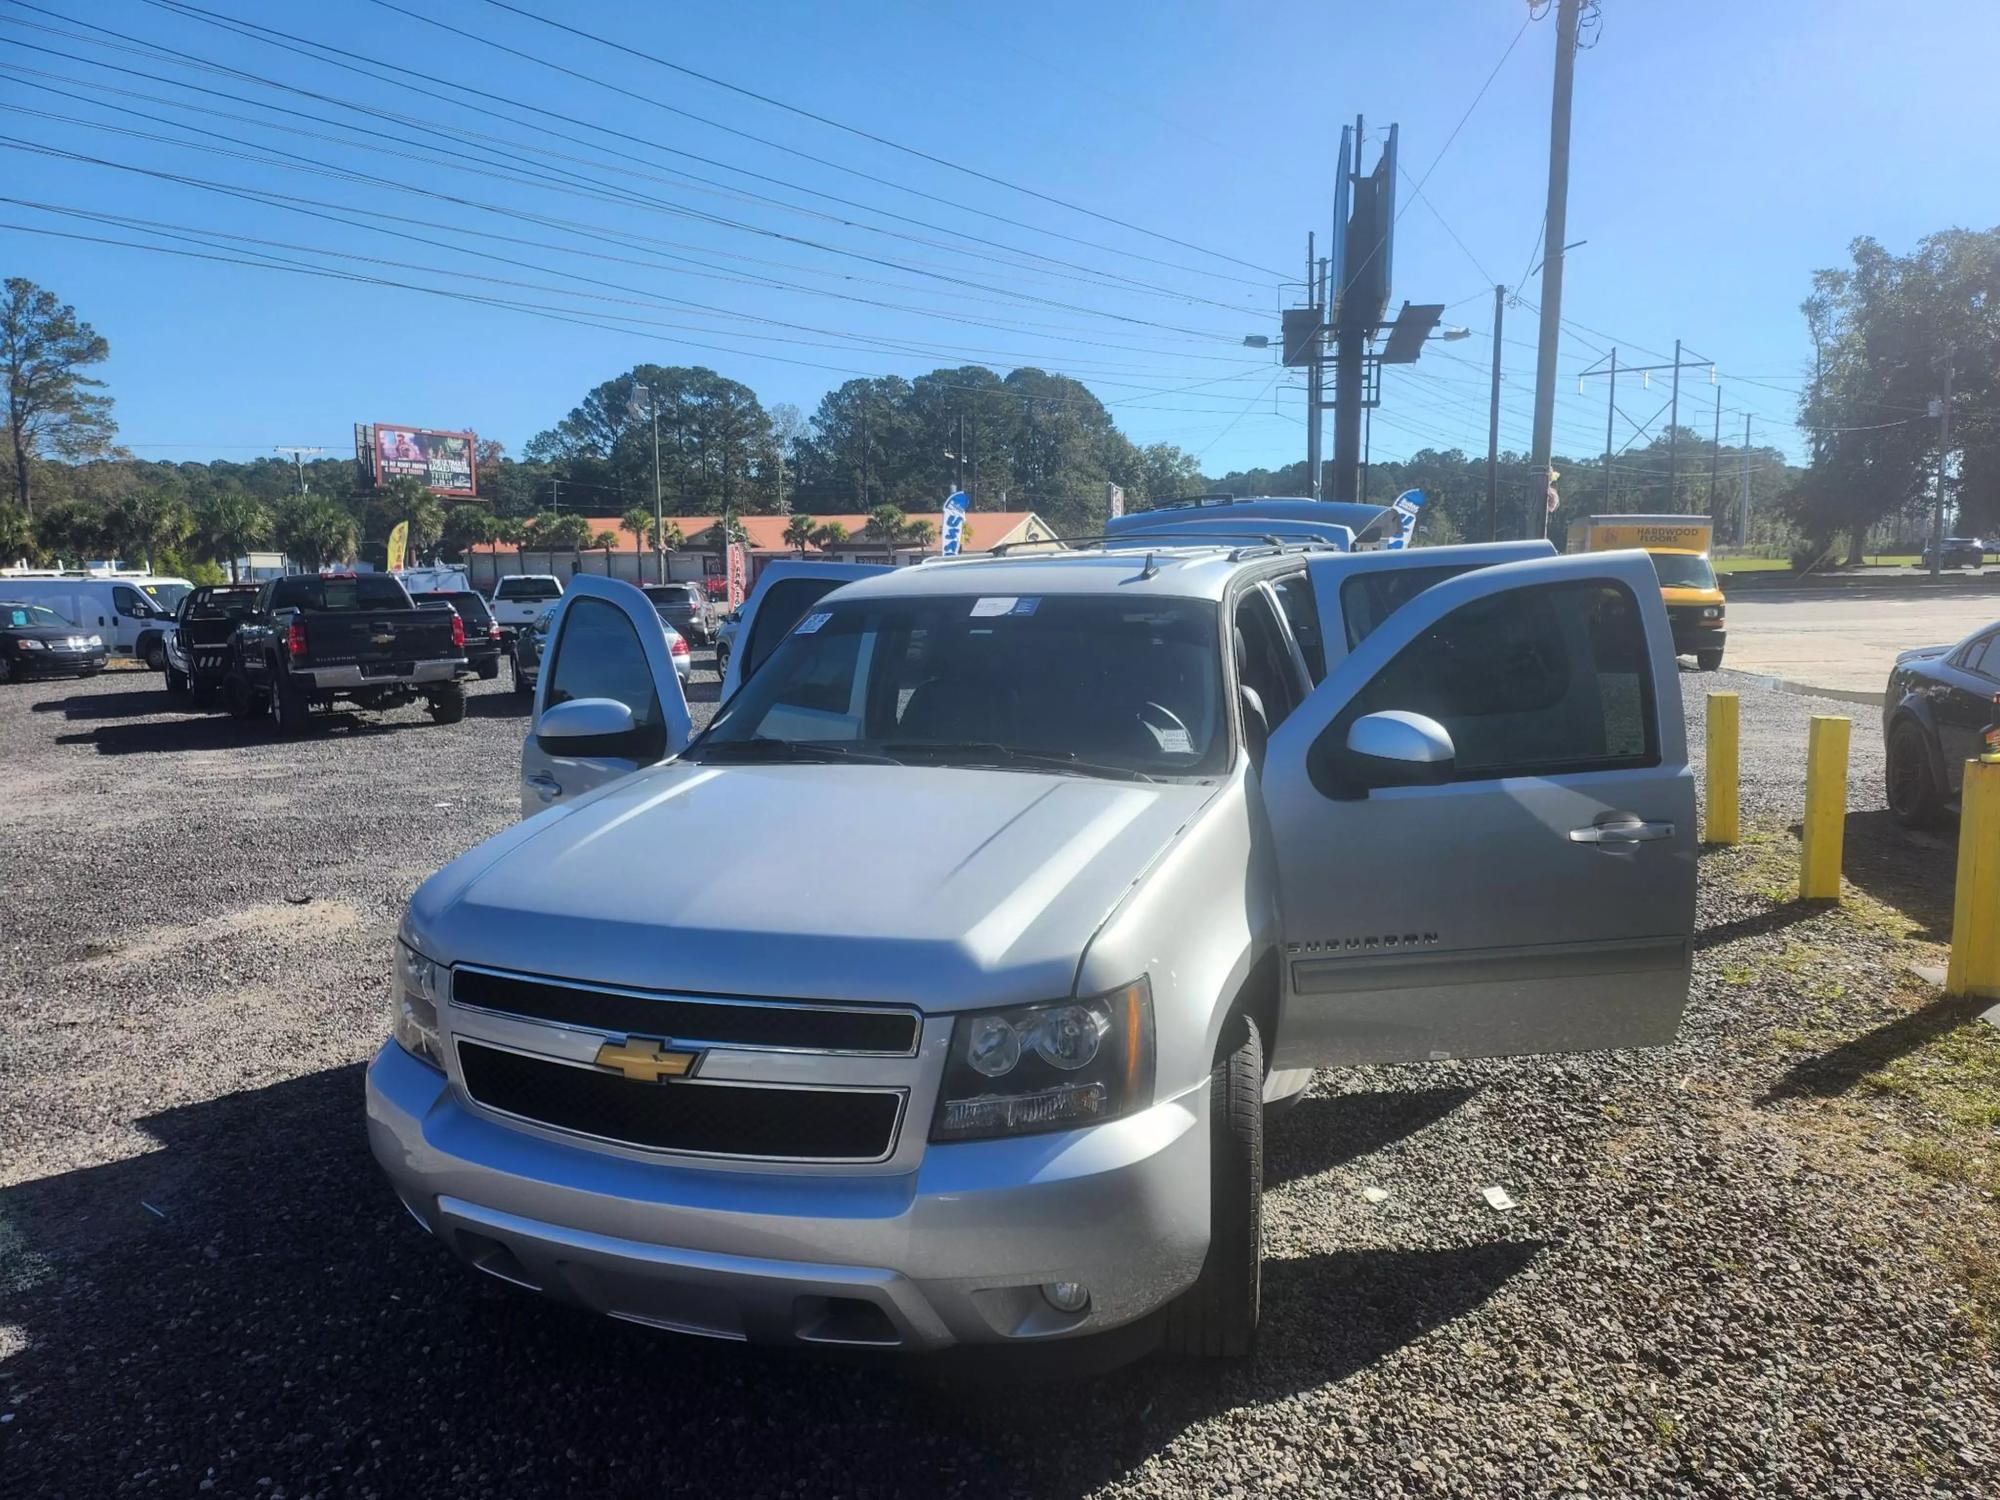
x=1959, y=552
x=482, y=631
x=1939, y=699
x=35, y=641
x=686, y=607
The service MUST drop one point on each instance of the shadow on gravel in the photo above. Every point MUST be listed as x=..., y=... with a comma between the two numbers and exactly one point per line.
x=1757, y=925
x=1321, y=1133
x=281, y=1320
x=1909, y=869
x=499, y=706
x=134, y=704
x=1838, y=1071
x=220, y=732
x=703, y=692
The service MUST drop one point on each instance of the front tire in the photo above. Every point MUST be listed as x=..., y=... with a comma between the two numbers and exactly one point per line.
x=1216, y=1318
x=1915, y=798
x=447, y=703
x=522, y=688
x=290, y=706
x=177, y=682
x=488, y=670
x=1708, y=661
x=238, y=697
x=154, y=654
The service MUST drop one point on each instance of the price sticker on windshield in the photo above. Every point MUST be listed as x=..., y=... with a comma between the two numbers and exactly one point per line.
x=994, y=604
x=812, y=622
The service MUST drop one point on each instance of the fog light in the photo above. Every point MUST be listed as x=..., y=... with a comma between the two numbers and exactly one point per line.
x=1066, y=1296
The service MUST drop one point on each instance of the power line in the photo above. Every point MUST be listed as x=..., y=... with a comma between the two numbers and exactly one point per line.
x=853, y=130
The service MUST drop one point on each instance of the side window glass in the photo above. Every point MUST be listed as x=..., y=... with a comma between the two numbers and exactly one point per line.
x=1983, y=657
x=1302, y=614
x=128, y=601
x=1262, y=663
x=1531, y=682
x=598, y=655
x=1367, y=599
x=784, y=604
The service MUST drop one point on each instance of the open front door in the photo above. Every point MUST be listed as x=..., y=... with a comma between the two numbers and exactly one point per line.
x=1501, y=858
x=607, y=701
x=784, y=592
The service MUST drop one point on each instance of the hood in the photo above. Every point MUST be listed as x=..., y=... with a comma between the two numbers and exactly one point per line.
x=946, y=888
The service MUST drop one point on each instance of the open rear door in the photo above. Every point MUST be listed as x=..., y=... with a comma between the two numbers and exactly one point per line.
x=606, y=649
x=784, y=592
x=1517, y=873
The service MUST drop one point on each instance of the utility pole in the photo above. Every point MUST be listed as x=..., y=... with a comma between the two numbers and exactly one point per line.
x=1715, y=451
x=1944, y=448
x=659, y=505
x=1673, y=437
x=972, y=495
x=555, y=494
x=1743, y=488
x=299, y=462
x=1493, y=426
x=1315, y=375
x=1557, y=235
x=1610, y=416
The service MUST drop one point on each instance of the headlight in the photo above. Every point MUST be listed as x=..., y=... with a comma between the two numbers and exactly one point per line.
x=93, y=640
x=1048, y=1067
x=32, y=645
x=1711, y=611
x=413, y=1018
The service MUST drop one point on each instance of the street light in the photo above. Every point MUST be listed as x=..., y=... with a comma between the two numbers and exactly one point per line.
x=1451, y=335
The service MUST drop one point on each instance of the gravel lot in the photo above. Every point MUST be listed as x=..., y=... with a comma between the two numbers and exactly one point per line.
x=1716, y=1282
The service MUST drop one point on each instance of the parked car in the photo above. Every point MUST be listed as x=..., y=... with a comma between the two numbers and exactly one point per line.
x=36, y=641
x=725, y=639
x=130, y=613
x=686, y=607
x=524, y=653
x=1030, y=880
x=197, y=648
x=314, y=639
x=482, y=631
x=1938, y=700
x=517, y=600
x=1959, y=552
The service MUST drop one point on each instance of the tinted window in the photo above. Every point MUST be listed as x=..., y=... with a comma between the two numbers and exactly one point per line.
x=338, y=595
x=783, y=605
x=528, y=588
x=1983, y=657
x=471, y=608
x=1367, y=599
x=1263, y=662
x=598, y=655
x=127, y=601
x=1532, y=681
x=1302, y=614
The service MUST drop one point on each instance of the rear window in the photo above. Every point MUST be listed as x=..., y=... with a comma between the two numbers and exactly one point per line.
x=784, y=604
x=222, y=604
x=528, y=588
x=1367, y=599
x=471, y=608
x=674, y=595
x=338, y=595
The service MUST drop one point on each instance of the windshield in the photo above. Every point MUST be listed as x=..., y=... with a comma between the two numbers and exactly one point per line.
x=31, y=617
x=167, y=595
x=1682, y=571
x=1096, y=685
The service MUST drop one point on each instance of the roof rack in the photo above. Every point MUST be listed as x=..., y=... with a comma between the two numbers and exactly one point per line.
x=1148, y=540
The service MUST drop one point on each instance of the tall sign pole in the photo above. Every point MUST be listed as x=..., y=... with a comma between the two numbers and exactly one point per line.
x=1315, y=374
x=1944, y=448
x=1493, y=425
x=1556, y=235
x=659, y=504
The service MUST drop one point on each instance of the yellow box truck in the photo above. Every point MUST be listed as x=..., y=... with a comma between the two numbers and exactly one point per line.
x=1678, y=546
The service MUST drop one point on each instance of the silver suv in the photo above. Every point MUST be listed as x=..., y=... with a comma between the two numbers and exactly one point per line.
x=1032, y=880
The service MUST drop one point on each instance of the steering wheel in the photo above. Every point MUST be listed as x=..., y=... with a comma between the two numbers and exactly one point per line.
x=1169, y=734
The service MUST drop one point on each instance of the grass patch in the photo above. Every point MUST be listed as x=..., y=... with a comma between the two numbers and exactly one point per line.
x=1752, y=564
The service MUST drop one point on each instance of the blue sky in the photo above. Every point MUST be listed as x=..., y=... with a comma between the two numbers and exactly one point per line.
x=1722, y=152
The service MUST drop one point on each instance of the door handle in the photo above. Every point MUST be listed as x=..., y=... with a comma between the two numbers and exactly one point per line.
x=1630, y=831
x=545, y=785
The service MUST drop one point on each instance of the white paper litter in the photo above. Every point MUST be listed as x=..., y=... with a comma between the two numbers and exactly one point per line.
x=1497, y=1197
x=1375, y=1194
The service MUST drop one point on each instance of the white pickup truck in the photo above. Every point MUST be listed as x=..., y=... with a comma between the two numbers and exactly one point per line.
x=1030, y=881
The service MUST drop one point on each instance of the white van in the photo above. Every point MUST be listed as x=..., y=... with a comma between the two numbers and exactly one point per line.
x=133, y=613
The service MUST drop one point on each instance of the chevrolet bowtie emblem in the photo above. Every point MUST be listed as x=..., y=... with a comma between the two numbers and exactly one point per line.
x=384, y=640
x=647, y=1060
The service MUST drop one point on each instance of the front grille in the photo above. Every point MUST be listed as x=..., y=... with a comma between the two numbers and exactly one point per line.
x=713, y=1119
x=719, y=1023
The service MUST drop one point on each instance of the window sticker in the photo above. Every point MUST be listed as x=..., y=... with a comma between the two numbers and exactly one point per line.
x=812, y=622
x=996, y=604
x=1025, y=606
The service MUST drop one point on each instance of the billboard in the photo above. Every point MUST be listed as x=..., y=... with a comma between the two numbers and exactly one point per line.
x=444, y=461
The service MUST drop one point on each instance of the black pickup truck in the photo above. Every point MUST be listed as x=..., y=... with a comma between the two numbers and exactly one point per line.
x=197, y=647
x=315, y=638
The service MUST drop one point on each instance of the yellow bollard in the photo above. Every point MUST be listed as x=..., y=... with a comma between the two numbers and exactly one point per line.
x=1975, y=917
x=1722, y=821
x=1826, y=809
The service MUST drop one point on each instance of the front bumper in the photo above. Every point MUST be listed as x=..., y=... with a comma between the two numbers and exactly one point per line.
x=59, y=663
x=954, y=1252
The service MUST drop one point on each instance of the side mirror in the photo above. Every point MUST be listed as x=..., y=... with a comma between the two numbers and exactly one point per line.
x=587, y=727
x=1397, y=748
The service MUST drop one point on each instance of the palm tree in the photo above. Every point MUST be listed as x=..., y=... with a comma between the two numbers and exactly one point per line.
x=637, y=521
x=573, y=532
x=888, y=522
x=230, y=524
x=799, y=532
x=603, y=542
x=315, y=531
x=468, y=526
x=829, y=536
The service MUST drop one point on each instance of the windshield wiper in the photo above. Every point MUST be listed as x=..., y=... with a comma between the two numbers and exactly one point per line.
x=804, y=751
x=991, y=752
